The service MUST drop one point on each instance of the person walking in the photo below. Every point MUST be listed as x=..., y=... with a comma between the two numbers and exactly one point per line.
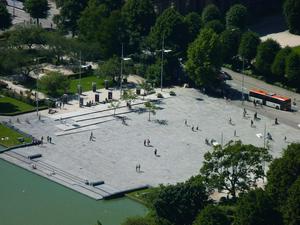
x=251, y=123
x=234, y=133
x=155, y=152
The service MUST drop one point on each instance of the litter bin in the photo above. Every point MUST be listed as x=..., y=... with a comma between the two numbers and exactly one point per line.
x=110, y=95
x=80, y=101
x=94, y=87
x=97, y=97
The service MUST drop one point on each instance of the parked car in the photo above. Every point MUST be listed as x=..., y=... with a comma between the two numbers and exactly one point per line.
x=224, y=75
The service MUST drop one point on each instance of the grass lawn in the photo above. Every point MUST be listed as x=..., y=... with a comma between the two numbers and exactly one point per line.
x=10, y=105
x=9, y=137
x=86, y=83
x=145, y=196
x=297, y=49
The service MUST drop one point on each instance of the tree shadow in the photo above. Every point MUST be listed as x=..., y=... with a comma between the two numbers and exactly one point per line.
x=161, y=122
x=6, y=107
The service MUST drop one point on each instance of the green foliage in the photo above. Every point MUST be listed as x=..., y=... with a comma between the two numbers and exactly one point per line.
x=153, y=74
x=129, y=96
x=283, y=172
x=211, y=12
x=236, y=168
x=204, y=58
x=151, y=107
x=248, y=45
x=292, y=70
x=90, y=20
x=54, y=83
x=279, y=63
x=193, y=22
x=230, y=40
x=37, y=8
x=211, y=215
x=139, y=17
x=70, y=12
x=139, y=221
x=216, y=25
x=291, y=10
x=110, y=68
x=180, y=203
x=265, y=56
x=236, y=17
x=256, y=208
x=5, y=17
x=291, y=209
x=169, y=25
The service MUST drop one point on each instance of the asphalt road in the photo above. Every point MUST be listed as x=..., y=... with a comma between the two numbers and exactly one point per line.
x=289, y=118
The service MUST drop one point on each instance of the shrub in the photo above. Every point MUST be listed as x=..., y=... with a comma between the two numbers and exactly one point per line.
x=159, y=95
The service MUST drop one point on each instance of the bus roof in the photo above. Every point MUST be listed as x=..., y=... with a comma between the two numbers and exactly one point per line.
x=281, y=98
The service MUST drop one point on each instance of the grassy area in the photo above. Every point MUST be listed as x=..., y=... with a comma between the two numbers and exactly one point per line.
x=145, y=196
x=9, y=137
x=297, y=49
x=86, y=83
x=10, y=105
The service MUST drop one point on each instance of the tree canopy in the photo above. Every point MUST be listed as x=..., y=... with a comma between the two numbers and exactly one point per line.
x=292, y=70
x=236, y=17
x=266, y=53
x=235, y=168
x=37, y=8
x=211, y=215
x=204, y=58
x=230, y=40
x=5, y=17
x=248, y=45
x=279, y=63
x=210, y=12
x=256, y=208
x=291, y=209
x=291, y=9
x=193, y=22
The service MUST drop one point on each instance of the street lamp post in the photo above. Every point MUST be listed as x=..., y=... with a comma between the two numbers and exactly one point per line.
x=163, y=50
x=243, y=78
x=121, y=72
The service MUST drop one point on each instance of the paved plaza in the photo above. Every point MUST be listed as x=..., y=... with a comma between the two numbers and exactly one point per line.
x=118, y=144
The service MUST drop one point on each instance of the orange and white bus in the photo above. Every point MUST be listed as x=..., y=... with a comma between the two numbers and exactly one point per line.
x=270, y=99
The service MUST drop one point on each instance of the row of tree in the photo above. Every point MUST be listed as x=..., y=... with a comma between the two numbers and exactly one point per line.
x=236, y=169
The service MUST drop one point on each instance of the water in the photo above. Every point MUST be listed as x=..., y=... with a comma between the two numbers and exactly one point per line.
x=28, y=199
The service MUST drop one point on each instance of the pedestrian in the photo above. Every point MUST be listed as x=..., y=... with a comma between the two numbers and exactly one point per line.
x=197, y=128
x=185, y=122
x=136, y=168
x=144, y=142
x=155, y=152
x=192, y=128
x=91, y=136
x=47, y=138
x=148, y=142
x=276, y=121
x=234, y=133
x=251, y=123
x=285, y=138
x=230, y=121
x=50, y=140
x=139, y=167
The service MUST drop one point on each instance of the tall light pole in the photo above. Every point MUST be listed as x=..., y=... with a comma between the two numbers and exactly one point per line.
x=243, y=78
x=163, y=50
x=79, y=89
x=121, y=72
x=14, y=6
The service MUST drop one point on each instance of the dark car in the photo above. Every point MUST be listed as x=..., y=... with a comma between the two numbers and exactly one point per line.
x=224, y=75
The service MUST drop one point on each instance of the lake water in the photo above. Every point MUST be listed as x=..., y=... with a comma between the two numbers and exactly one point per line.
x=28, y=199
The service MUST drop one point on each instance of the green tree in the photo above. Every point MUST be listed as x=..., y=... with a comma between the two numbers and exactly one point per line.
x=90, y=20
x=37, y=8
x=153, y=73
x=180, y=203
x=211, y=215
x=193, y=22
x=138, y=221
x=265, y=56
x=279, y=63
x=216, y=25
x=291, y=209
x=204, y=59
x=54, y=83
x=110, y=68
x=151, y=107
x=5, y=17
x=169, y=25
x=57, y=45
x=211, y=12
x=291, y=10
x=70, y=11
x=236, y=17
x=230, y=40
x=114, y=105
x=256, y=208
x=248, y=45
x=139, y=17
x=282, y=173
x=235, y=168
x=293, y=70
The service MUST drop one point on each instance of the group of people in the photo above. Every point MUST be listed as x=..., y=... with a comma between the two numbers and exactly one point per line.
x=193, y=127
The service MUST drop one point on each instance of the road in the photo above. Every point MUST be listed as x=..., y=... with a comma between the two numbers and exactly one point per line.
x=289, y=118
